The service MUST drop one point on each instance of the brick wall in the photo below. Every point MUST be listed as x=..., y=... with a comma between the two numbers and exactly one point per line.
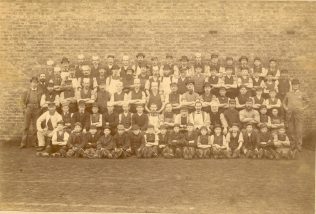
x=31, y=32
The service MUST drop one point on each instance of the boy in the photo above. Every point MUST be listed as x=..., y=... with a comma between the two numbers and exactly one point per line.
x=217, y=117
x=154, y=117
x=257, y=82
x=66, y=116
x=249, y=148
x=137, y=141
x=58, y=148
x=106, y=144
x=203, y=144
x=111, y=118
x=218, y=143
x=68, y=94
x=140, y=118
x=125, y=118
x=76, y=142
x=207, y=97
x=96, y=117
x=81, y=116
x=143, y=77
x=49, y=96
x=276, y=120
x=273, y=69
x=103, y=97
x=150, y=148
x=122, y=142
x=222, y=99
x=214, y=81
x=265, y=146
x=182, y=81
x=92, y=138
x=114, y=79
x=163, y=147
x=166, y=80
x=136, y=96
x=174, y=98
x=118, y=98
x=258, y=99
x=87, y=95
x=168, y=117
x=264, y=117
x=234, y=141
x=245, y=80
x=257, y=67
x=283, y=145
x=230, y=83
x=175, y=142
x=183, y=119
x=231, y=114
x=154, y=97
x=273, y=102
x=199, y=80
x=190, y=139
x=242, y=98
x=153, y=79
x=269, y=85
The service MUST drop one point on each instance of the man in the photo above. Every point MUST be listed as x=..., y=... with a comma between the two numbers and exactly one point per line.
x=31, y=104
x=249, y=115
x=49, y=70
x=45, y=125
x=82, y=116
x=49, y=96
x=140, y=61
x=78, y=67
x=103, y=97
x=295, y=102
x=189, y=98
x=95, y=66
x=199, y=118
x=109, y=65
x=42, y=84
x=136, y=96
x=125, y=66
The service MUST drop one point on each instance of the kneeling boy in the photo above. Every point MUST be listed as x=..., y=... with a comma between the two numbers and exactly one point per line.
x=106, y=144
x=123, y=146
x=234, y=141
x=283, y=145
x=218, y=142
x=150, y=149
x=190, y=139
x=203, y=144
x=76, y=142
x=92, y=138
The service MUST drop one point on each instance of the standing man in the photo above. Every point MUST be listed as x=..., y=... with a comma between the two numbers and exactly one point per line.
x=295, y=102
x=31, y=103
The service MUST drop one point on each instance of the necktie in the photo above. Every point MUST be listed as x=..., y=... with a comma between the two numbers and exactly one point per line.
x=50, y=125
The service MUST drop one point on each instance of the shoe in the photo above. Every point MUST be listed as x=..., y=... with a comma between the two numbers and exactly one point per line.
x=22, y=146
x=45, y=154
x=39, y=154
x=55, y=155
x=40, y=148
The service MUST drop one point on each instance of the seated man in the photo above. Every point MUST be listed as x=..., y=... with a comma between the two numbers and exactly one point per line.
x=249, y=115
x=199, y=117
x=189, y=98
x=45, y=124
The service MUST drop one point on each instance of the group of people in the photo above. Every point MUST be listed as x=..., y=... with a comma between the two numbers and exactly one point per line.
x=187, y=109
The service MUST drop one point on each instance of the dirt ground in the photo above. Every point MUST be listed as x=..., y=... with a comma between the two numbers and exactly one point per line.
x=31, y=183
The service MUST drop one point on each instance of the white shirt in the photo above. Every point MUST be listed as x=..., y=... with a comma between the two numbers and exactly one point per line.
x=46, y=116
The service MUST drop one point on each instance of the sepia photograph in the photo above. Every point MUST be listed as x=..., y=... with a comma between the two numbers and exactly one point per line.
x=157, y=106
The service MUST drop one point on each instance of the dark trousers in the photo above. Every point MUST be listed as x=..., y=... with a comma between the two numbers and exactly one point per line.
x=30, y=117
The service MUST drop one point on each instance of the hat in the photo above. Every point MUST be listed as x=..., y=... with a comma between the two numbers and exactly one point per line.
x=80, y=56
x=235, y=124
x=169, y=56
x=217, y=126
x=78, y=124
x=295, y=82
x=34, y=79
x=263, y=106
x=263, y=125
x=176, y=125
x=198, y=54
x=64, y=59
x=154, y=58
x=95, y=58
x=50, y=62
x=110, y=56
x=229, y=58
x=130, y=69
x=259, y=88
x=166, y=67
x=232, y=101
x=256, y=58
x=183, y=70
x=189, y=82
x=272, y=90
x=51, y=104
x=249, y=100
x=162, y=127
x=242, y=86
x=57, y=68
x=243, y=58
x=85, y=67
x=139, y=104
x=95, y=105
x=249, y=124
x=120, y=127
x=207, y=84
x=222, y=88
x=214, y=56
x=115, y=67
x=190, y=124
x=60, y=122
x=50, y=84
x=65, y=103
x=150, y=126
x=284, y=71
x=184, y=58
x=107, y=127
x=140, y=54
x=272, y=60
x=203, y=127
x=173, y=84
x=93, y=127
x=183, y=108
x=135, y=127
x=81, y=103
